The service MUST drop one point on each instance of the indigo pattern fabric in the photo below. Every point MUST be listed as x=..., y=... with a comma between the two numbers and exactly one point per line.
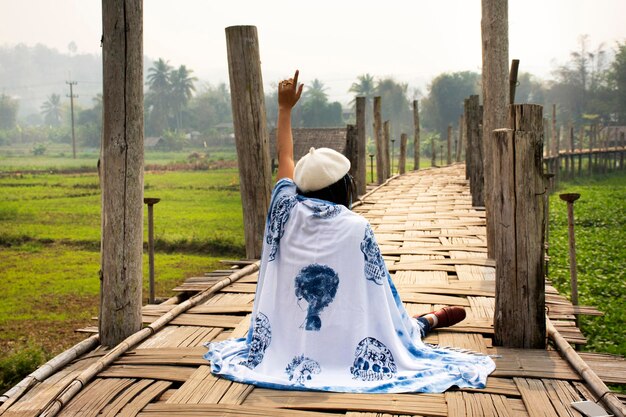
x=317, y=284
x=261, y=338
x=302, y=369
x=375, y=269
x=278, y=216
x=373, y=361
x=327, y=315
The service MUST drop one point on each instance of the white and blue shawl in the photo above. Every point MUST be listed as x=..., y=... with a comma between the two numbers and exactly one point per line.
x=328, y=317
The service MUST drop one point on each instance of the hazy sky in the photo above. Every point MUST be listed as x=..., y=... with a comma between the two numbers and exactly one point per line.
x=335, y=41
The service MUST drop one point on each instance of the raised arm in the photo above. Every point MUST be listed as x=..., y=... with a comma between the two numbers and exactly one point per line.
x=288, y=95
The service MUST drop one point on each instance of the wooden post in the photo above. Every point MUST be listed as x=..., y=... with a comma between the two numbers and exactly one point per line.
x=570, y=198
x=402, y=160
x=581, y=138
x=361, y=181
x=386, y=159
x=459, y=147
x=251, y=136
x=151, y=202
x=378, y=137
x=520, y=217
x=121, y=171
x=449, y=156
x=474, y=151
x=621, y=154
x=592, y=135
x=433, y=152
x=567, y=148
x=416, y=136
x=557, y=159
x=351, y=148
x=513, y=80
x=495, y=86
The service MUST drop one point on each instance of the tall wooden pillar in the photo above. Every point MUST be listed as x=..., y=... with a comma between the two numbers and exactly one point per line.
x=495, y=83
x=251, y=136
x=121, y=171
x=519, y=211
x=361, y=181
x=386, y=150
x=474, y=154
x=416, y=136
x=378, y=140
x=449, y=154
x=402, y=159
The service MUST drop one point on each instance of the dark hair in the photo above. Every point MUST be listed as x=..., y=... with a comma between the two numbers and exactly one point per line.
x=341, y=192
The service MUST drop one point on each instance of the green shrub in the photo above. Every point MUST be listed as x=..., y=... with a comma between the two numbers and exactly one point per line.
x=18, y=364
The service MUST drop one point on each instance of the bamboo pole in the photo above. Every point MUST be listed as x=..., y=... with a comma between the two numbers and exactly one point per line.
x=45, y=370
x=474, y=151
x=449, y=155
x=459, y=148
x=386, y=150
x=513, y=80
x=81, y=380
x=598, y=387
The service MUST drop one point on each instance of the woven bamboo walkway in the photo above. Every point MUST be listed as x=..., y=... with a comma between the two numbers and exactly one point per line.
x=434, y=244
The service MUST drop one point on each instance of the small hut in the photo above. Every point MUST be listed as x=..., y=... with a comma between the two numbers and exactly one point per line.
x=305, y=138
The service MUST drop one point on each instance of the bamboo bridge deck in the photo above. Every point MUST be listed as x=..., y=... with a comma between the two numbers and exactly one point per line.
x=434, y=244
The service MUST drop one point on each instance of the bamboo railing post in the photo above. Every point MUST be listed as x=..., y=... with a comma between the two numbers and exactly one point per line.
x=361, y=180
x=393, y=144
x=402, y=160
x=251, y=137
x=378, y=138
x=520, y=218
x=557, y=159
x=474, y=151
x=621, y=154
x=570, y=198
x=121, y=270
x=513, y=80
x=416, y=136
x=590, y=155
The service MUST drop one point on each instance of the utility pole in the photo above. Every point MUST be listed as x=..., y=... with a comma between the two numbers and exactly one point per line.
x=72, y=97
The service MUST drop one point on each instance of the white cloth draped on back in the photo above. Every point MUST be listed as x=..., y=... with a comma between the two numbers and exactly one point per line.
x=327, y=316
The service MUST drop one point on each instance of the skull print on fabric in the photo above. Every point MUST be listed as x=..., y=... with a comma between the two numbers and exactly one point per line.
x=261, y=338
x=373, y=361
x=278, y=216
x=317, y=284
x=302, y=369
x=374, y=266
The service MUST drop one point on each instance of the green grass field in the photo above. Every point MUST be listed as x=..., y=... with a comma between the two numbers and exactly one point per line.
x=600, y=231
x=50, y=238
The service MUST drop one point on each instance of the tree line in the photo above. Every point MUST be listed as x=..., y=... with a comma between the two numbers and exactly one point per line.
x=589, y=88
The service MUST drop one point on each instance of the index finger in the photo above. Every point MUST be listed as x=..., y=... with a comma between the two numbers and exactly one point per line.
x=295, y=78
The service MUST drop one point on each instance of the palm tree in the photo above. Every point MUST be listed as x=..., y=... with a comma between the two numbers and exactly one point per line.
x=365, y=87
x=316, y=92
x=158, y=98
x=52, y=111
x=182, y=90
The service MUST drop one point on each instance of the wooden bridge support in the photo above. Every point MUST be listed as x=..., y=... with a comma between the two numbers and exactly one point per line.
x=361, y=157
x=386, y=150
x=495, y=85
x=460, y=144
x=519, y=213
x=251, y=136
x=449, y=143
x=402, y=159
x=416, y=136
x=474, y=154
x=378, y=140
x=121, y=171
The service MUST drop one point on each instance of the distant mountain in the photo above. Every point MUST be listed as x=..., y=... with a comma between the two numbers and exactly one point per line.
x=31, y=73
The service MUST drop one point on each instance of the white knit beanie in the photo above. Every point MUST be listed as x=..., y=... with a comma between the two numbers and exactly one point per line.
x=319, y=169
